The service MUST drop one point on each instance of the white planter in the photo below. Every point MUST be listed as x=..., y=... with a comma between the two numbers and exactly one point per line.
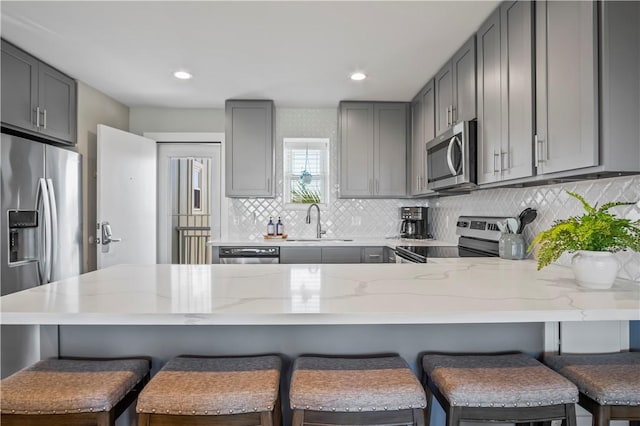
x=595, y=269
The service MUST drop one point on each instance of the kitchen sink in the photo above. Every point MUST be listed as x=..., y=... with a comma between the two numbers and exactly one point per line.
x=318, y=240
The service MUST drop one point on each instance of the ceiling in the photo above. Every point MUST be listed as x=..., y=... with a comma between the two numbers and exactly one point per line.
x=300, y=54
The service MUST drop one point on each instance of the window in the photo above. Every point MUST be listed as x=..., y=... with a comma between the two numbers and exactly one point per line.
x=306, y=171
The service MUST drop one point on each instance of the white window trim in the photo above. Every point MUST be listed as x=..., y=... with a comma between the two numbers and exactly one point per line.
x=285, y=172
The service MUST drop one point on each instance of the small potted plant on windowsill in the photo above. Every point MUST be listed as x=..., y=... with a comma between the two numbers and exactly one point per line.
x=594, y=237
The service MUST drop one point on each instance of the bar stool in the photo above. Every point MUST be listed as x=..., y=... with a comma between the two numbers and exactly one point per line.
x=191, y=390
x=355, y=390
x=609, y=384
x=511, y=388
x=61, y=392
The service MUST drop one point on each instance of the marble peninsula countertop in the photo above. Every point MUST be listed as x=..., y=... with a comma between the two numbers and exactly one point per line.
x=465, y=290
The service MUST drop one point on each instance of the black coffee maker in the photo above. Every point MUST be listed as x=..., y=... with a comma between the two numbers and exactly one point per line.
x=414, y=222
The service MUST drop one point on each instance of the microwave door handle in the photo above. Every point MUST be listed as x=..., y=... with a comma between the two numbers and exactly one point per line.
x=453, y=170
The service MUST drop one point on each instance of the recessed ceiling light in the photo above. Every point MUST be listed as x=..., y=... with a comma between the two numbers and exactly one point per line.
x=357, y=76
x=182, y=75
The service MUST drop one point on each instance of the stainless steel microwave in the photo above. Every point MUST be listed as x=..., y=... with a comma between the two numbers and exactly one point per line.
x=451, y=158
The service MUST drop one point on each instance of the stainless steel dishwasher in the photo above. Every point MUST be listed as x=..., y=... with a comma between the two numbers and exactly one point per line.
x=249, y=255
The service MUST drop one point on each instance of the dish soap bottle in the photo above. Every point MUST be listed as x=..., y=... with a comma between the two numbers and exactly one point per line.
x=279, y=227
x=271, y=227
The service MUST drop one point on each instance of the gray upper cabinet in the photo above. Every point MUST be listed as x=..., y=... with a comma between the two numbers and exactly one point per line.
x=455, y=88
x=566, y=85
x=249, y=152
x=373, y=149
x=390, y=149
x=356, y=149
x=505, y=93
x=422, y=131
x=36, y=98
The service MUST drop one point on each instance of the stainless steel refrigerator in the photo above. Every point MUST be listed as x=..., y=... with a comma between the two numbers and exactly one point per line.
x=40, y=221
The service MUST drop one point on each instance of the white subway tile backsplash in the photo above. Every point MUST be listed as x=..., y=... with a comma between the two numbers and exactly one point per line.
x=552, y=203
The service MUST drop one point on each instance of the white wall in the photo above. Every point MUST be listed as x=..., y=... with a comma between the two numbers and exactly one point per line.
x=94, y=108
x=152, y=119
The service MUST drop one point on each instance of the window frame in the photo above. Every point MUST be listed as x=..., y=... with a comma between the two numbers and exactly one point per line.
x=287, y=176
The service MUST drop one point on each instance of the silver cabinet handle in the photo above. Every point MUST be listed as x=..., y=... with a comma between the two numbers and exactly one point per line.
x=448, y=116
x=453, y=118
x=374, y=256
x=502, y=155
x=538, y=141
x=37, y=116
x=453, y=170
x=371, y=186
x=45, y=119
x=377, y=186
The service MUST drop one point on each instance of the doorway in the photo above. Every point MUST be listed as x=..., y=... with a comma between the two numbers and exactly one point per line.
x=189, y=201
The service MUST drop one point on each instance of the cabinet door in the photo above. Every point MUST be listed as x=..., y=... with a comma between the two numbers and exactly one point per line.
x=444, y=98
x=19, y=88
x=293, y=255
x=566, y=85
x=417, y=141
x=489, y=99
x=516, y=154
x=341, y=255
x=356, y=150
x=249, y=151
x=463, y=66
x=373, y=255
x=57, y=102
x=390, y=149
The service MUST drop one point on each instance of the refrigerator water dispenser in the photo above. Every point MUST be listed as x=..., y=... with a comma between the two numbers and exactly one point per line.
x=23, y=235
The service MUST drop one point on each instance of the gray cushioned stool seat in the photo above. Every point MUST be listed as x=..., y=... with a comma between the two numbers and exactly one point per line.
x=59, y=386
x=213, y=386
x=514, y=380
x=612, y=379
x=354, y=385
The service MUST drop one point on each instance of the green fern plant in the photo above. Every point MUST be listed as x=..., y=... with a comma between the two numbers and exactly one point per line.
x=304, y=195
x=596, y=230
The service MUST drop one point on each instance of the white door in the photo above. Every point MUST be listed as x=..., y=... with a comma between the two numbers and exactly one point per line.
x=126, y=198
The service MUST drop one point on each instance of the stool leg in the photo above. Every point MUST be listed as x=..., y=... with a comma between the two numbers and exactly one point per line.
x=453, y=416
x=105, y=419
x=418, y=417
x=570, y=415
x=266, y=418
x=143, y=419
x=298, y=418
x=601, y=415
x=427, y=411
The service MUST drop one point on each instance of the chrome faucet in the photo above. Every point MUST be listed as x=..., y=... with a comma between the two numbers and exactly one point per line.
x=319, y=230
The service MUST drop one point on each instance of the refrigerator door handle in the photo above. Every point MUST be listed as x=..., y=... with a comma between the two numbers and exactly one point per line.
x=44, y=265
x=54, y=226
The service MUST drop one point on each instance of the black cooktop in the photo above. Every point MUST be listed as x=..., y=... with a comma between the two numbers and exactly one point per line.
x=420, y=254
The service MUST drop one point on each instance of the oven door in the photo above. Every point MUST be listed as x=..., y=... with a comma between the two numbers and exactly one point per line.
x=451, y=158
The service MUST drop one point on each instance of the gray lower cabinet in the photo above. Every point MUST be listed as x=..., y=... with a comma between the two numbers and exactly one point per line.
x=455, y=88
x=301, y=255
x=249, y=152
x=341, y=255
x=373, y=255
x=566, y=85
x=373, y=149
x=422, y=131
x=505, y=93
x=36, y=98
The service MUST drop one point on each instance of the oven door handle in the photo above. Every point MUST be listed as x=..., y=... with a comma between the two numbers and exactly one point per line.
x=453, y=140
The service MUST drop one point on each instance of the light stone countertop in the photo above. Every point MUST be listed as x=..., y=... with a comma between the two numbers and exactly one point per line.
x=464, y=290
x=330, y=242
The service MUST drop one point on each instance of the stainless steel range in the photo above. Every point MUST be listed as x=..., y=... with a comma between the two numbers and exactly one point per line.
x=479, y=236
